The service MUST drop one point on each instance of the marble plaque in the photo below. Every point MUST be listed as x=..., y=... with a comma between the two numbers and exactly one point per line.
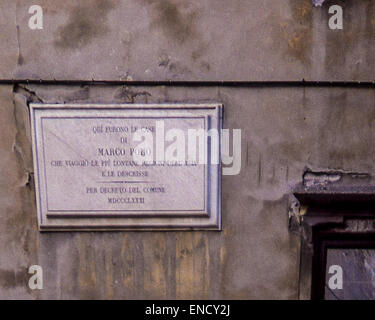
x=125, y=167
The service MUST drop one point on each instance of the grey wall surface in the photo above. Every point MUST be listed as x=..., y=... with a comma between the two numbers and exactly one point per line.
x=255, y=256
x=284, y=130
x=187, y=40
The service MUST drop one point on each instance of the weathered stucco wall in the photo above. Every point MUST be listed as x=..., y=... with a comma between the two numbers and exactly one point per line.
x=187, y=40
x=284, y=130
x=255, y=256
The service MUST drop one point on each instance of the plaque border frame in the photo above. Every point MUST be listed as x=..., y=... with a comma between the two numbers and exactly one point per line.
x=211, y=222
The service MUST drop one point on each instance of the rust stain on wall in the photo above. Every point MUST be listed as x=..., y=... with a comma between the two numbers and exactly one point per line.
x=294, y=35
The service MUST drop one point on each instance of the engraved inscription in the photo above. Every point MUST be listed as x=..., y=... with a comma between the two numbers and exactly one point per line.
x=89, y=167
